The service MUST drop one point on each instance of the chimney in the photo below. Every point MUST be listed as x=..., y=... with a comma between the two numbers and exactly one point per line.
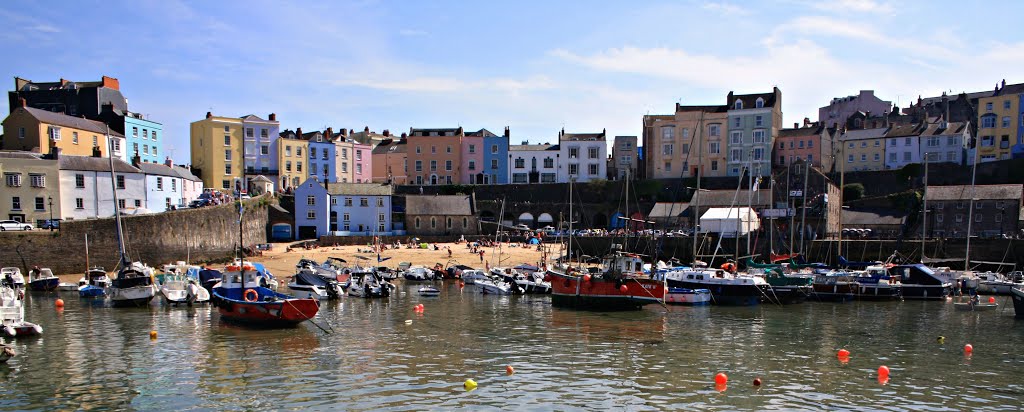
x=945, y=102
x=603, y=131
x=386, y=133
x=63, y=82
x=96, y=152
x=344, y=131
x=23, y=102
x=111, y=82
x=329, y=133
x=209, y=115
x=807, y=121
x=54, y=153
x=298, y=132
x=1004, y=84
x=460, y=131
x=366, y=129
x=796, y=125
x=168, y=162
x=136, y=160
x=525, y=142
x=273, y=117
x=404, y=135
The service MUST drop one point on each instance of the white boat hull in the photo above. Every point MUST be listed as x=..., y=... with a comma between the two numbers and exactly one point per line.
x=133, y=296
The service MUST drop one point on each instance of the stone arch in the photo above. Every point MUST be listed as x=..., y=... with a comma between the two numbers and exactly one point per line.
x=526, y=218
x=600, y=221
x=545, y=219
x=487, y=216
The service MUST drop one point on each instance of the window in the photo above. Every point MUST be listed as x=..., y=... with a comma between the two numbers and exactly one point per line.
x=782, y=160
x=145, y=134
x=227, y=169
x=310, y=200
x=16, y=203
x=998, y=218
x=593, y=153
x=325, y=153
x=154, y=135
x=74, y=137
x=138, y=203
x=735, y=155
x=977, y=218
x=988, y=107
x=364, y=202
x=520, y=163
x=348, y=202
x=472, y=165
x=159, y=183
x=686, y=148
x=574, y=152
x=494, y=149
x=494, y=164
x=549, y=163
x=310, y=214
x=298, y=152
x=906, y=156
x=448, y=149
x=37, y=180
x=863, y=144
x=519, y=178
x=54, y=132
x=864, y=157
x=380, y=202
x=418, y=150
x=433, y=165
x=21, y=132
x=959, y=218
x=988, y=121
x=380, y=217
x=735, y=137
x=417, y=223
x=714, y=148
x=264, y=150
x=95, y=141
x=154, y=150
x=121, y=203
x=759, y=103
x=810, y=158
x=758, y=153
x=714, y=165
x=593, y=170
x=79, y=181
x=666, y=149
x=472, y=148
x=120, y=181
x=312, y=153
x=227, y=152
x=906, y=141
x=227, y=140
x=668, y=166
x=174, y=185
x=263, y=133
x=226, y=184
x=433, y=149
x=419, y=166
x=738, y=105
x=40, y=204
x=959, y=205
x=932, y=142
x=1006, y=104
x=448, y=223
x=987, y=140
x=737, y=122
x=759, y=121
x=951, y=156
x=79, y=203
x=892, y=157
x=938, y=218
x=850, y=159
x=248, y=132
x=759, y=137
x=145, y=149
x=574, y=169
x=1006, y=121
x=667, y=133
x=359, y=168
x=345, y=217
x=288, y=165
x=433, y=223
x=448, y=165
x=877, y=157
x=714, y=130
x=892, y=142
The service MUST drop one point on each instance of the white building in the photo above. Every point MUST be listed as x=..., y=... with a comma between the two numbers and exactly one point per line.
x=903, y=145
x=192, y=185
x=167, y=186
x=85, y=185
x=533, y=163
x=946, y=142
x=583, y=156
x=342, y=209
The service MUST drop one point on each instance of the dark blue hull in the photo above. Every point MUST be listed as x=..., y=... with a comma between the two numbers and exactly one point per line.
x=92, y=292
x=1018, y=302
x=730, y=295
x=44, y=284
x=926, y=292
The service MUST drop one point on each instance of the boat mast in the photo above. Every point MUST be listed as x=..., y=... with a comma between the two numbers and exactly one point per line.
x=86, y=252
x=117, y=211
x=970, y=211
x=696, y=195
x=842, y=188
x=803, y=207
x=771, y=224
x=924, y=208
x=241, y=247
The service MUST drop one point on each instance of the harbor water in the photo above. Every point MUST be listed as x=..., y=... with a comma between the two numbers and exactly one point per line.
x=91, y=356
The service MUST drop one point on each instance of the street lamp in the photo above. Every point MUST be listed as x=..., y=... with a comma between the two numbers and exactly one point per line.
x=50, y=200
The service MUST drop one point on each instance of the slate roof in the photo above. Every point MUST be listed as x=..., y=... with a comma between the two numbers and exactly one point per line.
x=157, y=169
x=863, y=134
x=61, y=119
x=360, y=189
x=582, y=136
x=532, y=147
x=262, y=178
x=725, y=197
x=935, y=129
x=872, y=217
x=449, y=131
x=253, y=118
x=802, y=131
x=392, y=146
x=668, y=209
x=707, y=108
x=982, y=192
x=94, y=164
x=186, y=174
x=451, y=205
x=901, y=130
x=750, y=100
x=481, y=133
x=11, y=154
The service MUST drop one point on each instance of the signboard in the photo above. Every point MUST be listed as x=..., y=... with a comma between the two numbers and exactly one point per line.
x=796, y=193
x=777, y=213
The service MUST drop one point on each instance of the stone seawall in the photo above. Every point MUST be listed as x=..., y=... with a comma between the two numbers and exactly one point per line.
x=200, y=235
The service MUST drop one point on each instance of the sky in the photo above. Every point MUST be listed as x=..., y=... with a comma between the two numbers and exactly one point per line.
x=535, y=66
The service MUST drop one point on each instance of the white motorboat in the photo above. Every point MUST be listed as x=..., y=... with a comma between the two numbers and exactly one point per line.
x=67, y=287
x=470, y=277
x=996, y=284
x=178, y=288
x=418, y=273
x=429, y=291
x=684, y=296
x=368, y=285
x=532, y=283
x=12, y=312
x=307, y=282
x=13, y=275
x=497, y=286
x=42, y=279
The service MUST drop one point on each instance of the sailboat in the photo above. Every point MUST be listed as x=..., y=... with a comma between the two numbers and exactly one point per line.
x=132, y=287
x=618, y=284
x=241, y=298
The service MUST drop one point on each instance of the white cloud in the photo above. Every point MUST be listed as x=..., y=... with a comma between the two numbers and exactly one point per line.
x=45, y=28
x=451, y=84
x=725, y=8
x=821, y=26
x=412, y=32
x=862, y=6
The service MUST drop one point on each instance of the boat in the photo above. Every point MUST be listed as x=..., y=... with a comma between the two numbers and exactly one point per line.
x=619, y=284
x=875, y=283
x=42, y=279
x=726, y=288
x=470, y=277
x=307, y=282
x=94, y=283
x=976, y=305
x=1018, y=302
x=12, y=311
x=241, y=299
x=177, y=268
x=993, y=283
x=6, y=353
x=13, y=276
x=368, y=285
x=497, y=286
x=67, y=287
x=134, y=285
x=429, y=291
x=920, y=282
x=690, y=297
x=784, y=288
x=835, y=286
x=418, y=273
x=531, y=282
x=179, y=288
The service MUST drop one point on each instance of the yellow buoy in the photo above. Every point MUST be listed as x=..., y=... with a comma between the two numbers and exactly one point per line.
x=470, y=384
x=152, y=334
x=941, y=339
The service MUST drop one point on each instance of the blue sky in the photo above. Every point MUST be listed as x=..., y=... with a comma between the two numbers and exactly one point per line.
x=533, y=66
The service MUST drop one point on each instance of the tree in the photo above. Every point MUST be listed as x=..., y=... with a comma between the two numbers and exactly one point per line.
x=853, y=191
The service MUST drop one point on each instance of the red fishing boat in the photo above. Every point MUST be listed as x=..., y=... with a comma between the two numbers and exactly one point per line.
x=619, y=284
x=252, y=305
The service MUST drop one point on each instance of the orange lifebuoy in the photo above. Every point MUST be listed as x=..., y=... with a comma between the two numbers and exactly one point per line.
x=255, y=295
x=233, y=268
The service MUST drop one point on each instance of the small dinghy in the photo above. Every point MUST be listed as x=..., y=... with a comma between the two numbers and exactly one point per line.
x=67, y=287
x=12, y=313
x=976, y=305
x=429, y=291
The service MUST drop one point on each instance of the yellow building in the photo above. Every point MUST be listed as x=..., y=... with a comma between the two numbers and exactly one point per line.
x=30, y=190
x=861, y=150
x=216, y=144
x=669, y=142
x=36, y=130
x=291, y=151
x=999, y=118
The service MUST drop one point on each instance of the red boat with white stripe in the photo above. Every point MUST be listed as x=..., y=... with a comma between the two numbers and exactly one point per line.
x=620, y=285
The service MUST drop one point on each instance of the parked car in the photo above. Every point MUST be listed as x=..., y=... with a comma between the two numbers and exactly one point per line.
x=198, y=203
x=51, y=224
x=522, y=227
x=14, y=225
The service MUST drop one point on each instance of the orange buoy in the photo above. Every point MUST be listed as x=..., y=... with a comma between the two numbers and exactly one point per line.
x=991, y=299
x=624, y=289
x=152, y=334
x=843, y=353
x=883, y=372
x=59, y=303
x=757, y=381
x=883, y=380
x=721, y=387
x=721, y=378
x=968, y=348
x=509, y=370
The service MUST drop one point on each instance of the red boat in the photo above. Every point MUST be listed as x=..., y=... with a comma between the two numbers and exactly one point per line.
x=621, y=286
x=257, y=306
x=781, y=258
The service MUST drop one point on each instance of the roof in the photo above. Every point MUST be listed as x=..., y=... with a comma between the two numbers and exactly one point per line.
x=262, y=178
x=360, y=189
x=668, y=209
x=707, y=108
x=95, y=164
x=61, y=119
x=582, y=136
x=863, y=134
x=936, y=129
x=19, y=155
x=872, y=217
x=255, y=118
x=457, y=205
x=982, y=192
x=750, y=100
x=186, y=174
x=728, y=213
x=531, y=147
x=729, y=197
x=392, y=146
x=802, y=131
x=481, y=133
x=449, y=131
x=156, y=169
x=906, y=129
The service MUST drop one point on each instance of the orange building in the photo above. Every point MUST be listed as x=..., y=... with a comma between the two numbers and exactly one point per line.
x=434, y=156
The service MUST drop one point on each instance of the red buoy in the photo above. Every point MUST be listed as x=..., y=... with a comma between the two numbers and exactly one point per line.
x=757, y=381
x=883, y=372
x=843, y=353
x=624, y=289
x=59, y=303
x=991, y=299
x=721, y=378
x=968, y=348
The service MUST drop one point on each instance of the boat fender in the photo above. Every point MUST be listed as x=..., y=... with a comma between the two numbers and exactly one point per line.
x=251, y=295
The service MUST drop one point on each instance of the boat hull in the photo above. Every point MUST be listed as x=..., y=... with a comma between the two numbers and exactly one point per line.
x=1018, y=302
x=44, y=284
x=90, y=291
x=927, y=292
x=977, y=307
x=788, y=294
x=279, y=313
x=21, y=330
x=835, y=292
x=133, y=297
x=604, y=295
x=745, y=294
x=878, y=292
x=688, y=297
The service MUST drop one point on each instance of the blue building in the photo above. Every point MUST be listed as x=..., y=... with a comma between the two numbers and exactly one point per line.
x=496, y=157
x=342, y=209
x=322, y=152
x=144, y=138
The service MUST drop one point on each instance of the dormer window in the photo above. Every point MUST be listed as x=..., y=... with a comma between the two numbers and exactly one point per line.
x=738, y=105
x=760, y=103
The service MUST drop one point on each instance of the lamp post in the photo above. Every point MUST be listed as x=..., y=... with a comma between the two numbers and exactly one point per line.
x=50, y=200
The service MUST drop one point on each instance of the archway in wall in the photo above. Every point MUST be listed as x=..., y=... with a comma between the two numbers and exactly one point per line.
x=545, y=219
x=600, y=221
x=525, y=219
x=487, y=216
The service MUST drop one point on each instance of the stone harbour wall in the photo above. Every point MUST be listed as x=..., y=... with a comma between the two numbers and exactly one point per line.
x=198, y=235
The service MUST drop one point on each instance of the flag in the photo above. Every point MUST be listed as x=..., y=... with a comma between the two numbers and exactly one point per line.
x=240, y=211
x=756, y=185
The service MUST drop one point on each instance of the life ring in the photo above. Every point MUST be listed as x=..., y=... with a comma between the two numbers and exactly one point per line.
x=255, y=295
x=233, y=268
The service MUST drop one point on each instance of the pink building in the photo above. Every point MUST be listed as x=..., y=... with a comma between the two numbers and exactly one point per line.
x=473, y=155
x=354, y=155
x=812, y=143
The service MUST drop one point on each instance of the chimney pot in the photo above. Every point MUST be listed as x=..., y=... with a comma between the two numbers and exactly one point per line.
x=386, y=133
x=329, y=132
x=96, y=152
x=404, y=135
x=168, y=162
x=366, y=129
x=273, y=117
x=209, y=115
x=298, y=132
x=23, y=102
x=796, y=125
